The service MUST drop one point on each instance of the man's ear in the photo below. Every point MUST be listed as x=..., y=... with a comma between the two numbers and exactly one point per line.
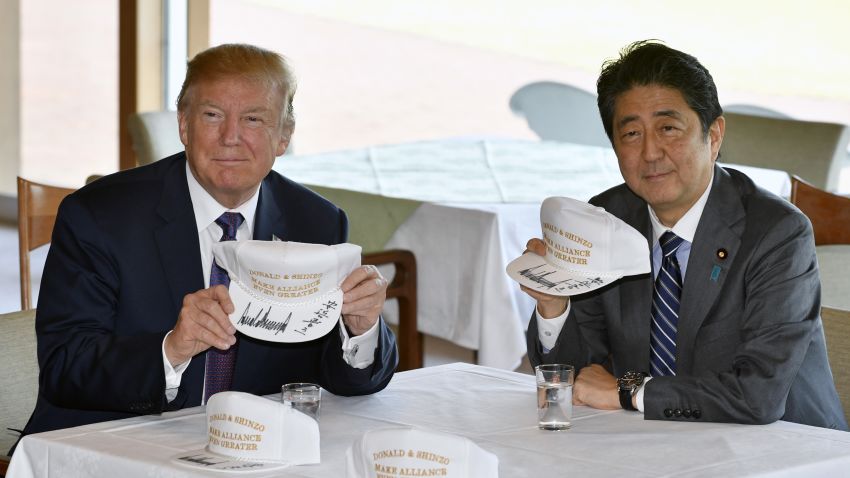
x=285, y=138
x=182, y=124
x=715, y=136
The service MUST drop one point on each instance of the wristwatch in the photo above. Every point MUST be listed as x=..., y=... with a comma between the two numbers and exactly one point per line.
x=627, y=386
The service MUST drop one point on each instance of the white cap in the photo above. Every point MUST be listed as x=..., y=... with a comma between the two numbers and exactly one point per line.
x=286, y=291
x=388, y=451
x=250, y=433
x=586, y=248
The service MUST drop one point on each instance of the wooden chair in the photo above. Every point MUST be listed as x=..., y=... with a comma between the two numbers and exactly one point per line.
x=403, y=289
x=836, y=326
x=19, y=377
x=829, y=213
x=37, y=207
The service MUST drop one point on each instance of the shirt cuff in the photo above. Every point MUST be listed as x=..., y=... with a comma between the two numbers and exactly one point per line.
x=173, y=375
x=359, y=352
x=548, y=330
x=639, y=395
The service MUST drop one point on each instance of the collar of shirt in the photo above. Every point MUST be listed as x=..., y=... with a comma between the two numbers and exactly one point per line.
x=207, y=209
x=686, y=227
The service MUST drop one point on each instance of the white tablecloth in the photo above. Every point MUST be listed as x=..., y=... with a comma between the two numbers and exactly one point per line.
x=482, y=206
x=494, y=408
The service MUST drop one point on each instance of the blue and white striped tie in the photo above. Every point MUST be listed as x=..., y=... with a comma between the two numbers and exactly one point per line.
x=665, y=308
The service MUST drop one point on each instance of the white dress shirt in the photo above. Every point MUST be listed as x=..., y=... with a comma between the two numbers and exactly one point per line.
x=358, y=352
x=549, y=329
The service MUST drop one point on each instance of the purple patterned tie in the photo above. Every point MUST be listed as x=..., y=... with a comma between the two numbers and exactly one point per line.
x=220, y=364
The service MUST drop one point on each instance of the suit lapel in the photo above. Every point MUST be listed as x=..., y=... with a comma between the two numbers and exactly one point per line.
x=177, y=237
x=636, y=294
x=268, y=220
x=720, y=227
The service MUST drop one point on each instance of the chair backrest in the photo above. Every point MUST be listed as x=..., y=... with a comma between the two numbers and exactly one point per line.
x=19, y=377
x=754, y=110
x=836, y=327
x=559, y=112
x=37, y=207
x=811, y=150
x=402, y=288
x=829, y=213
x=155, y=135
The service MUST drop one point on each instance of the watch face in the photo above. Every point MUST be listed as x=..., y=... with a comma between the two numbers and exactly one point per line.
x=630, y=381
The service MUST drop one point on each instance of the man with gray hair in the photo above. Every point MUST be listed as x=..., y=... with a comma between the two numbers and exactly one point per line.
x=129, y=319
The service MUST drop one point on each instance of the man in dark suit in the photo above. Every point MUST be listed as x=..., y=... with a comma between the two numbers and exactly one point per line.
x=126, y=317
x=728, y=325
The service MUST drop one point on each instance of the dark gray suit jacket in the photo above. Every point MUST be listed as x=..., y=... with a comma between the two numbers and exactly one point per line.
x=750, y=346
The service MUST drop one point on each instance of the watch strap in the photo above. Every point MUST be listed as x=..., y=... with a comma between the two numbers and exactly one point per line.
x=626, y=399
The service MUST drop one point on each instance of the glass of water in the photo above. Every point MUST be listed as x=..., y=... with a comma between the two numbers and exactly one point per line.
x=304, y=397
x=554, y=396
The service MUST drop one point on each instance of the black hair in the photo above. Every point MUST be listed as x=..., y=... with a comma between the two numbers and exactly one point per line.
x=648, y=62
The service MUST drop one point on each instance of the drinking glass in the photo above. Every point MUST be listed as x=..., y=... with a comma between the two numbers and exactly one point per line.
x=554, y=396
x=304, y=397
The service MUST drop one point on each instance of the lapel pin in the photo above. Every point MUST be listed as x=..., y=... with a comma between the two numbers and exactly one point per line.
x=721, y=254
x=715, y=272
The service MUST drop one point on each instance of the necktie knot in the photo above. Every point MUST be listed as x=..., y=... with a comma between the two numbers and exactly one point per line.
x=229, y=222
x=670, y=243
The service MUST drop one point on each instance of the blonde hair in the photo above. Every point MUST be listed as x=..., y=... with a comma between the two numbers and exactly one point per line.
x=243, y=61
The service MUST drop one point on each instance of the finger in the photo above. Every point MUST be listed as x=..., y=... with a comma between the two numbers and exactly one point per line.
x=359, y=275
x=370, y=305
x=369, y=287
x=212, y=332
x=540, y=296
x=213, y=309
x=211, y=335
x=222, y=295
x=536, y=246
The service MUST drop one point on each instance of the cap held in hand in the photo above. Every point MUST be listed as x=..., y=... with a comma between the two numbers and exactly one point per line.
x=586, y=248
x=286, y=291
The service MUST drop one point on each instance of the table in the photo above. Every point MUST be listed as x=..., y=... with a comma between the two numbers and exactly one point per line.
x=481, y=205
x=494, y=408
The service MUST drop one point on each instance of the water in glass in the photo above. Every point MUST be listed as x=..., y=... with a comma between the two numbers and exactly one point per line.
x=554, y=405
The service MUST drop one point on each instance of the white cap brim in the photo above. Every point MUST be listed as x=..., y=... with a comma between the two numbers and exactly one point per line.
x=289, y=322
x=532, y=271
x=204, y=460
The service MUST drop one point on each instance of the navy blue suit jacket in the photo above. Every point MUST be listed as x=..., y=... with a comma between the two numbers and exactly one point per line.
x=124, y=253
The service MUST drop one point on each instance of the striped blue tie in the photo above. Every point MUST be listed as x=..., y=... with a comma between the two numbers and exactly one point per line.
x=220, y=364
x=665, y=308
